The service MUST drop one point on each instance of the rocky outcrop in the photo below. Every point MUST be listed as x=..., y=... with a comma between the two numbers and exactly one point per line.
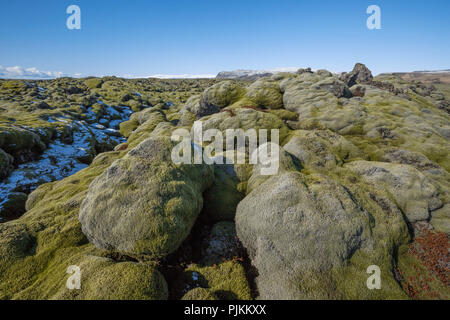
x=359, y=75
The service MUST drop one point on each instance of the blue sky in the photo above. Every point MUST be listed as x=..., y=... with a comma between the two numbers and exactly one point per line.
x=141, y=38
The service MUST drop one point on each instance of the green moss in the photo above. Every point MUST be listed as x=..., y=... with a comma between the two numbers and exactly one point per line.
x=144, y=130
x=127, y=127
x=104, y=279
x=199, y=294
x=247, y=119
x=187, y=119
x=6, y=164
x=93, y=83
x=417, y=279
x=265, y=94
x=14, y=139
x=36, y=249
x=350, y=281
x=226, y=281
x=38, y=194
x=156, y=200
x=174, y=117
x=223, y=94
x=284, y=114
x=220, y=200
x=136, y=106
x=388, y=231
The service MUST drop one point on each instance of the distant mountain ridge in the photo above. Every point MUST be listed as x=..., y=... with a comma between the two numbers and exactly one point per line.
x=432, y=71
x=432, y=77
x=244, y=74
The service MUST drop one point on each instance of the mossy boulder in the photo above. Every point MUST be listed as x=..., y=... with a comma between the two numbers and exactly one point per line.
x=284, y=163
x=194, y=106
x=322, y=149
x=152, y=115
x=226, y=281
x=411, y=189
x=307, y=89
x=333, y=85
x=37, y=249
x=284, y=114
x=440, y=219
x=220, y=96
x=144, y=204
x=246, y=119
x=305, y=233
x=187, y=118
x=266, y=94
x=12, y=206
x=359, y=74
x=415, y=159
x=93, y=83
x=322, y=101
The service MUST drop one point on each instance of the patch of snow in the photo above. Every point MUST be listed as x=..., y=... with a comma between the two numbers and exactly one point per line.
x=61, y=159
x=114, y=124
x=103, y=121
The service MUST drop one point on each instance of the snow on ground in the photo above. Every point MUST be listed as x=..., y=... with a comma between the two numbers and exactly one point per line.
x=61, y=159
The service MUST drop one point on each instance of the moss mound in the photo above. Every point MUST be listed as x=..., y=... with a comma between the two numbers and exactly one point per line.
x=143, y=204
x=266, y=94
x=226, y=281
x=221, y=95
x=363, y=166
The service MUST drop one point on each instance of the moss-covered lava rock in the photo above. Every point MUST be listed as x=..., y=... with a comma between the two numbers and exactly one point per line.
x=143, y=204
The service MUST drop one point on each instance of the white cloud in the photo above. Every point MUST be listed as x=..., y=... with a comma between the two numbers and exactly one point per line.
x=18, y=72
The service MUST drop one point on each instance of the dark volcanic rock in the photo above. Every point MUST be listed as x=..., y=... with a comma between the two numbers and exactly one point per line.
x=360, y=74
